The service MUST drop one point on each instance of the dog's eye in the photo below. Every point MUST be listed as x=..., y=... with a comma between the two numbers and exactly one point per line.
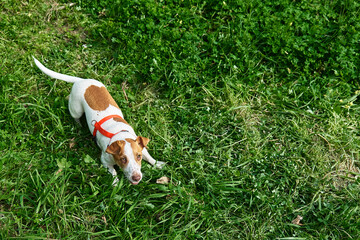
x=123, y=160
x=138, y=157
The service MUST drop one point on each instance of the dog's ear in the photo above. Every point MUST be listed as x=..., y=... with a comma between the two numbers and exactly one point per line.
x=116, y=147
x=142, y=141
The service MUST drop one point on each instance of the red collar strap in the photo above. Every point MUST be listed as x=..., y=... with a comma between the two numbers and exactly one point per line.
x=97, y=126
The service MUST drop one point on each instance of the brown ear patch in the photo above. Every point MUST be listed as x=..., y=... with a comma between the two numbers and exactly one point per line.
x=98, y=98
x=142, y=141
x=117, y=119
x=116, y=148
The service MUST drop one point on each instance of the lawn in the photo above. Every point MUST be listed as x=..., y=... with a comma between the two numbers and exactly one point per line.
x=253, y=105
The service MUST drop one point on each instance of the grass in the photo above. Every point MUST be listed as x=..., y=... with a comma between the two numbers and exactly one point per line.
x=253, y=105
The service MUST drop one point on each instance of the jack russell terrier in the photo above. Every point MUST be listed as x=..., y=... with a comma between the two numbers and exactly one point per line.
x=115, y=137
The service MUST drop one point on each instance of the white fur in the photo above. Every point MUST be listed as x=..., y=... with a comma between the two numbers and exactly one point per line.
x=78, y=106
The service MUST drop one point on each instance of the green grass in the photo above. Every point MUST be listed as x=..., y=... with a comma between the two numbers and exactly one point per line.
x=253, y=105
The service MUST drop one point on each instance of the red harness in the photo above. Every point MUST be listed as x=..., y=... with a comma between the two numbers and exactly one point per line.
x=97, y=127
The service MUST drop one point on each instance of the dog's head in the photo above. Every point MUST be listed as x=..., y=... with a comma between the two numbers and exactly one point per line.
x=128, y=155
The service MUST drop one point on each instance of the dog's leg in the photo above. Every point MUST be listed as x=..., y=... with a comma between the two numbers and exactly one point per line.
x=151, y=160
x=108, y=163
x=114, y=174
x=77, y=120
x=75, y=105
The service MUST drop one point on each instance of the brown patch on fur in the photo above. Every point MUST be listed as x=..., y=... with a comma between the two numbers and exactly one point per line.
x=142, y=141
x=98, y=98
x=116, y=119
x=137, y=149
x=117, y=150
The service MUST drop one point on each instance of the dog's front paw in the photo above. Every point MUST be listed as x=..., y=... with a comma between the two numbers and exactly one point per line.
x=115, y=182
x=160, y=164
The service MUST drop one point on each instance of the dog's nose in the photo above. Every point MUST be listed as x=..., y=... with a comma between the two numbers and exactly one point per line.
x=136, y=177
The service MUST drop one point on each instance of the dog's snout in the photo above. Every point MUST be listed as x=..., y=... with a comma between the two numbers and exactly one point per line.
x=136, y=177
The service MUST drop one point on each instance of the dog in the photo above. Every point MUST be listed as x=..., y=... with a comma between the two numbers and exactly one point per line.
x=115, y=137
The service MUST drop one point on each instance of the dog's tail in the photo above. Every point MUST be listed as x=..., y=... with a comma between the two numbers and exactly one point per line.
x=56, y=75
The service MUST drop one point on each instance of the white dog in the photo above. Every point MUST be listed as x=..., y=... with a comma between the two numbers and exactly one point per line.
x=116, y=138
